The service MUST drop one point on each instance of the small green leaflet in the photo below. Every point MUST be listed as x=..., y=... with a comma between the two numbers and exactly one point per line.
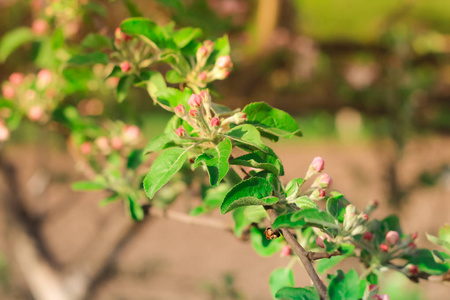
x=253, y=191
x=163, y=169
x=159, y=143
x=260, y=160
x=123, y=87
x=89, y=58
x=262, y=245
x=290, y=293
x=216, y=161
x=308, y=216
x=280, y=278
x=247, y=137
x=344, y=286
x=293, y=187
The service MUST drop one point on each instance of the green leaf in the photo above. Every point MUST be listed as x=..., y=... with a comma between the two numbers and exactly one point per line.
x=216, y=161
x=109, y=200
x=344, y=286
x=424, y=260
x=308, y=216
x=260, y=160
x=88, y=186
x=159, y=143
x=184, y=36
x=89, y=58
x=211, y=200
x=246, y=137
x=148, y=29
x=96, y=41
x=280, y=278
x=391, y=223
x=173, y=76
x=290, y=293
x=163, y=169
x=253, y=191
x=255, y=214
x=305, y=202
x=263, y=246
x=173, y=97
x=293, y=187
x=135, y=159
x=123, y=87
x=240, y=221
x=155, y=82
x=324, y=265
x=13, y=40
x=176, y=4
x=273, y=123
x=221, y=46
x=133, y=9
x=136, y=211
x=336, y=206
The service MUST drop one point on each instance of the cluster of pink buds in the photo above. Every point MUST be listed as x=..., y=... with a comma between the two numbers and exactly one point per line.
x=393, y=242
x=128, y=136
x=316, y=166
x=40, y=27
x=222, y=67
x=202, y=117
x=4, y=131
x=203, y=53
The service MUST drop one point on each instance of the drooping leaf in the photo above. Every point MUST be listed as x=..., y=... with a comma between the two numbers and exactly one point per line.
x=136, y=211
x=336, y=206
x=273, y=123
x=89, y=58
x=216, y=161
x=290, y=293
x=173, y=76
x=173, y=97
x=109, y=200
x=293, y=187
x=280, y=278
x=211, y=200
x=163, y=169
x=149, y=30
x=185, y=35
x=253, y=191
x=247, y=137
x=135, y=159
x=13, y=40
x=260, y=160
x=123, y=87
x=262, y=245
x=159, y=143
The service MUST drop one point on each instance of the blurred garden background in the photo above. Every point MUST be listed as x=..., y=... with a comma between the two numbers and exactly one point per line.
x=368, y=82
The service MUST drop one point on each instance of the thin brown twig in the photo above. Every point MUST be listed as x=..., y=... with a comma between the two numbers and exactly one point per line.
x=320, y=255
x=302, y=254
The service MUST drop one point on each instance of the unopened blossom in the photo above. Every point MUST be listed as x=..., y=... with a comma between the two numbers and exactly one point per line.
x=131, y=132
x=202, y=76
x=44, y=77
x=180, y=110
x=102, y=143
x=4, y=132
x=414, y=235
x=412, y=270
x=195, y=100
x=412, y=245
x=40, y=27
x=224, y=62
x=180, y=131
x=323, y=181
x=193, y=112
x=392, y=237
x=319, y=241
x=368, y=236
x=125, y=67
x=317, y=194
x=318, y=164
x=120, y=36
x=117, y=143
x=8, y=92
x=286, y=250
x=215, y=122
x=384, y=247
x=16, y=78
x=86, y=148
x=35, y=113
x=373, y=287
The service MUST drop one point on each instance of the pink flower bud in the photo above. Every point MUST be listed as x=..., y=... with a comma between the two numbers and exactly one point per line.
x=392, y=237
x=224, y=62
x=44, y=77
x=102, y=143
x=117, y=143
x=215, y=122
x=40, y=27
x=317, y=194
x=365, y=217
x=384, y=247
x=4, y=132
x=125, y=66
x=412, y=245
x=35, y=113
x=368, y=236
x=8, y=92
x=373, y=287
x=120, y=36
x=325, y=180
x=180, y=131
x=374, y=203
x=286, y=250
x=195, y=100
x=202, y=51
x=319, y=241
x=16, y=78
x=86, y=148
x=131, y=132
x=193, y=112
x=414, y=235
x=381, y=297
x=113, y=81
x=318, y=164
x=413, y=270
x=180, y=110
x=202, y=76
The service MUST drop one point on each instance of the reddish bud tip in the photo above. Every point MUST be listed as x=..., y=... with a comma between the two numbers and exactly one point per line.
x=44, y=77
x=8, y=92
x=286, y=250
x=202, y=76
x=412, y=245
x=318, y=164
x=39, y=27
x=319, y=241
x=193, y=112
x=86, y=148
x=321, y=193
x=414, y=235
x=392, y=237
x=180, y=110
x=224, y=62
x=102, y=143
x=215, y=122
x=125, y=67
x=4, y=132
x=384, y=247
x=117, y=143
x=413, y=270
x=368, y=236
x=195, y=100
x=373, y=287
x=131, y=132
x=365, y=217
x=180, y=131
x=35, y=113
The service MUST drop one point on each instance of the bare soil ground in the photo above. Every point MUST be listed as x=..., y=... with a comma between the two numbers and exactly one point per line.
x=167, y=260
